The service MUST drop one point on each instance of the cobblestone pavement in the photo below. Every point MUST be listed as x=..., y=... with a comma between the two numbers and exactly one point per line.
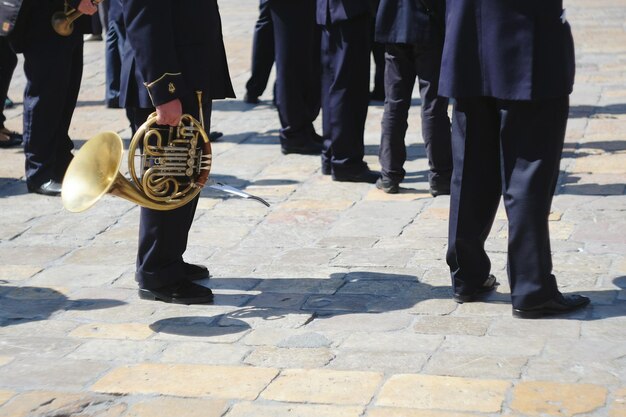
x=333, y=302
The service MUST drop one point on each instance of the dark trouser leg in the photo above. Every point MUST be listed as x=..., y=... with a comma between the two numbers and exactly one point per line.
x=53, y=67
x=475, y=190
x=378, y=52
x=347, y=46
x=163, y=235
x=399, y=82
x=113, y=56
x=532, y=135
x=8, y=61
x=297, y=63
x=435, y=120
x=262, y=52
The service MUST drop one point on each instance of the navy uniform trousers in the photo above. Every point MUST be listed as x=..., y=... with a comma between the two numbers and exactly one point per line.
x=8, y=62
x=53, y=66
x=511, y=149
x=405, y=62
x=346, y=47
x=296, y=46
x=262, y=51
x=163, y=235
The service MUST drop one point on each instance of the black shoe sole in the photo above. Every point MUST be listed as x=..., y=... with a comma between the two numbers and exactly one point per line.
x=540, y=313
x=477, y=294
x=151, y=296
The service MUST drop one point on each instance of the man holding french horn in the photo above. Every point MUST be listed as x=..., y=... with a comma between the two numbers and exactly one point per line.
x=174, y=60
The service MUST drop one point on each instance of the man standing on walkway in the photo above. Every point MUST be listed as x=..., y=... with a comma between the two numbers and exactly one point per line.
x=510, y=67
x=296, y=48
x=53, y=65
x=413, y=33
x=173, y=52
x=262, y=54
x=346, y=46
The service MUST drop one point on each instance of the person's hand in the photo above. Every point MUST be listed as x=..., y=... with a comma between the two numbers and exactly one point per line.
x=169, y=114
x=87, y=7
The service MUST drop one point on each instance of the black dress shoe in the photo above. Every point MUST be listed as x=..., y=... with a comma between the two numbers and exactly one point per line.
x=364, y=175
x=9, y=138
x=213, y=136
x=560, y=304
x=52, y=188
x=307, y=147
x=441, y=187
x=388, y=186
x=489, y=285
x=195, y=272
x=251, y=99
x=185, y=292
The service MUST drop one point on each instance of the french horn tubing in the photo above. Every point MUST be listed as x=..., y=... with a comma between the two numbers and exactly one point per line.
x=168, y=166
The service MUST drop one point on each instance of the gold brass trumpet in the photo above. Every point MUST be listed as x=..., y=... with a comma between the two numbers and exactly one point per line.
x=174, y=166
x=63, y=22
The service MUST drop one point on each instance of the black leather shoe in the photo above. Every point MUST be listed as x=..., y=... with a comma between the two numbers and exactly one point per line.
x=365, y=175
x=489, y=285
x=195, y=272
x=52, y=188
x=213, y=136
x=185, y=292
x=441, y=187
x=309, y=147
x=388, y=186
x=9, y=138
x=560, y=304
x=251, y=99
x=326, y=170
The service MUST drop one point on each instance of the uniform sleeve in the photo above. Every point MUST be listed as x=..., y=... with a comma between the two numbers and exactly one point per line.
x=73, y=3
x=151, y=36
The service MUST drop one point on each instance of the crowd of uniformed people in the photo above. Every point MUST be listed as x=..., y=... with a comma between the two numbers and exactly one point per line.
x=507, y=68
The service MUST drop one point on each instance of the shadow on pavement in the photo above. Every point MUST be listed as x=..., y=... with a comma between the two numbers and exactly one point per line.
x=589, y=111
x=353, y=293
x=20, y=305
x=197, y=326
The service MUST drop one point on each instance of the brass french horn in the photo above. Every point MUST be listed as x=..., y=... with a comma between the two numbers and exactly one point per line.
x=174, y=165
x=63, y=21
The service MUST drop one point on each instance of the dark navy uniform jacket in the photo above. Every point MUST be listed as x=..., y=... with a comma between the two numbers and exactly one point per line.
x=185, y=53
x=333, y=11
x=513, y=49
x=409, y=21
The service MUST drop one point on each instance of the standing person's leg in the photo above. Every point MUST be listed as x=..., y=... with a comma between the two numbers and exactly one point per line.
x=49, y=65
x=8, y=62
x=378, y=52
x=113, y=58
x=262, y=54
x=435, y=120
x=348, y=50
x=294, y=31
x=532, y=136
x=162, y=273
x=475, y=194
x=399, y=82
x=63, y=142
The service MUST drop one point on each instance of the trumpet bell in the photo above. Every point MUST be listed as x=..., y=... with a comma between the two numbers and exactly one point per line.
x=93, y=172
x=62, y=24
